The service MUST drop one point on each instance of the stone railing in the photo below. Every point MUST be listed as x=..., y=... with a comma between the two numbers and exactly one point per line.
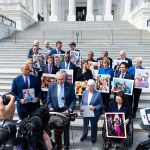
x=18, y=13
x=140, y=15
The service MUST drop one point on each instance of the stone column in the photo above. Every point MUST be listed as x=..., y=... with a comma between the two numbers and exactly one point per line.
x=127, y=9
x=54, y=10
x=41, y=6
x=108, y=16
x=25, y=3
x=30, y=2
x=90, y=15
x=36, y=9
x=46, y=13
x=72, y=13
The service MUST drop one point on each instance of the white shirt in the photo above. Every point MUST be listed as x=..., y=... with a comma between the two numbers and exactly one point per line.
x=60, y=102
x=123, y=74
x=66, y=65
x=89, y=97
x=28, y=78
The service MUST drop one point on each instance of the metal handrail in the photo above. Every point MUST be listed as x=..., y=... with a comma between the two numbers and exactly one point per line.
x=7, y=21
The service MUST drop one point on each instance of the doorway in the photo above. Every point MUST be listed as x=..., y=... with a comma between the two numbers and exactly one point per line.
x=80, y=13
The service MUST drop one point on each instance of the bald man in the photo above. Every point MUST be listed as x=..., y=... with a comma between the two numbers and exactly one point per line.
x=30, y=53
x=122, y=54
x=22, y=82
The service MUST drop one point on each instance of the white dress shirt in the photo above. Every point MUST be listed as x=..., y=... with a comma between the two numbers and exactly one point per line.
x=28, y=78
x=66, y=65
x=60, y=94
x=89, y=97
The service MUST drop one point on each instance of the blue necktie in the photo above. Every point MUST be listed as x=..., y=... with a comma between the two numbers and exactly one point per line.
x=66, y=65
x=27, y=82
x=122, y=76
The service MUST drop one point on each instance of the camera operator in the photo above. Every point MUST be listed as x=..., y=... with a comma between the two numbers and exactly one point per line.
x=7, y=110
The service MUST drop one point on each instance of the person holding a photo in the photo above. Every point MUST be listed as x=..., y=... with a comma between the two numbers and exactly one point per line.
x=120, y=104
x=108, y=71
x=90, y=57
x=136, y=91
x=91, y=97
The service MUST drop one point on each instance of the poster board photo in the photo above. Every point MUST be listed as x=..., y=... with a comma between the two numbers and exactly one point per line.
x=115, y=127
x=75, y=58
x=142, y=78
x=47, y=79
x=116, y=64
x=93, y=65
x=69, y=74
x=80, y=87
x=103, y=82
x=29, y=95
x=58, y=58
x=39, y=61
x=124, y=85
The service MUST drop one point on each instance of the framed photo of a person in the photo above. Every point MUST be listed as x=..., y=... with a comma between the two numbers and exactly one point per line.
x=29, y=95
x=47, y=79
x=103, y=82
x=124, y=85
x=115, y=127
x=69, y=74
x=142, y=78
x=75, y=58
x=39, y=61
x=80, y=86
x=94, y=73
x=93, y=65
x=116, y=64
x=59, y=57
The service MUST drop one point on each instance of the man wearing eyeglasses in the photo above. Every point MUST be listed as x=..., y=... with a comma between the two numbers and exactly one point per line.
x=26, y=81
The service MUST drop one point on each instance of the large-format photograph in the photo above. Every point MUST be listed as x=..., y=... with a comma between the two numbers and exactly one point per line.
x=115, y=127
x=142, y=78
x=124, y=85
x=47, y=79
x=80, y=86
x=29, y=95
x=93, y=65
x=75, y=58
x=103, y=82
x=69, y=74
x=39, y=61
x=58, y=58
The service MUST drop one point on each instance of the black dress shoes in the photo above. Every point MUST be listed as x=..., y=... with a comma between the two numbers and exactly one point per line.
x=83, y=138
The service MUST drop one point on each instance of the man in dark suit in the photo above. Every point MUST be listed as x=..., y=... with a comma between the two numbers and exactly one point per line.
x=58, y=49
x=30, y=53
x=90, y=57
x=105, y=55
x=126, y=75
x=61, y=98
x=35, y=51
x=50, y=68
x=26, y=81
x=123, y=57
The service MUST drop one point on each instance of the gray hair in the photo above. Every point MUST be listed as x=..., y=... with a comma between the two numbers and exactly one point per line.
x=61, y=72
x=92, y=83
x=46, y=41
x=123, y=51
x=138, y=59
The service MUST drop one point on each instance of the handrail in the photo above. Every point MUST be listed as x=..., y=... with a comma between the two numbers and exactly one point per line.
x=7, y=21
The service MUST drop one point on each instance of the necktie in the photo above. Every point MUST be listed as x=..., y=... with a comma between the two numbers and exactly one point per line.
x=50, y=69
x=26, y=82
x=66, y=65
x=122, y=76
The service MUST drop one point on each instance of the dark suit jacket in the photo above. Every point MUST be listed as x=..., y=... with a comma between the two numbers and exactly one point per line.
x=127, y=75
x=55, y=52
x=129, y=62
x=72, y=66
x=54, y=69
x=83, y=77
x=30, y=53
x=68, y=52
x=17, y=88
x=95, y=101
x=101, y=58
x=69, y=96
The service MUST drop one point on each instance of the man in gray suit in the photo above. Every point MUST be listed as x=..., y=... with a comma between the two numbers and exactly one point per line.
x=61, y=98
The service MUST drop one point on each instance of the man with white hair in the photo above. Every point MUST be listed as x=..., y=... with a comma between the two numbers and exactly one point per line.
x=136, y=91
x=30, y=53
x=93, y=98
x=61, y=98
x=123, y=57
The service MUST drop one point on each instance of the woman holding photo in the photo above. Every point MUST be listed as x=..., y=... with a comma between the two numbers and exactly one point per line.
x=136, y=91
x=108, y=71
